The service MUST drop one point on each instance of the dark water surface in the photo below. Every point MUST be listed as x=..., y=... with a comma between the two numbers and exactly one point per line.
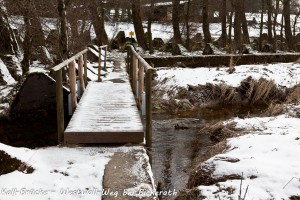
x=174, y=149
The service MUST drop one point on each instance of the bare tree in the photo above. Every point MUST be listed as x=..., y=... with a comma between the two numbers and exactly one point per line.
x=261, y=23
x=287, y=23
x=187, y=24
x=175, y=21
x=246, y=38
x=138, y=25
x=238, y=23
x=150, y=42
x=274, y=25
x=205, y=19
x=63, y=36
x=96, y=12
x=223, y=12
x=270, y=12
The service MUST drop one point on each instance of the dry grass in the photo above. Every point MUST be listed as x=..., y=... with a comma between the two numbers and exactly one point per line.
x=293, y=95
x=261, y=91
x=190, y=194
x=275, y=109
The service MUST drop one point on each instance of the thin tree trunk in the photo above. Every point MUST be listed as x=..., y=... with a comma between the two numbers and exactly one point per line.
x=230, y=31
x=205, y=19
x=223, y=12
x=274, y=25
x=246, y=38
x=261, y=24
x=63, y=36
x=270, y=11
x=138, y=25
x=27, y=46
x=287, y=24
x=237, y=24
x=295, y=23
x=187, y=19
x=175, y=22
x=150, y=42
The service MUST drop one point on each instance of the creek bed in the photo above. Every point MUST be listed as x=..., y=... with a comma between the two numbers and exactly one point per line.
x=177, y=142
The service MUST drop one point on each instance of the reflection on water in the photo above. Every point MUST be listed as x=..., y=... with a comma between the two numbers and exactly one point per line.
x=175, y=149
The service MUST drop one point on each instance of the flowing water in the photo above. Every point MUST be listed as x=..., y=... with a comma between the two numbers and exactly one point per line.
x=177, y=142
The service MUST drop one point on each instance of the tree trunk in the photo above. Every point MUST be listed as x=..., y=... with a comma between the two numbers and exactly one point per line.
x=270, y=12
x=237, y=24
x=205, y=19
x=97, y=18
x=274, y=25
x=27, y=44
x=223, y=12
x=287, y=23
x=261, y=24
x=187, y=20
x=8, y=43
x=138, y=25
x=175, y=22
x=63, y=36
x=246, y=38
x=150, y=42
x=230, y=30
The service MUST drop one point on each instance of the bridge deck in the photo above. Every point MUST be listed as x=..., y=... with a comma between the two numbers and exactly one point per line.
x=106, y=113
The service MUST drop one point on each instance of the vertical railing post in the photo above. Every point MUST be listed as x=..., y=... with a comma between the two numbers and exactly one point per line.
x=128, y=57
x=85, y=68
x=80, y=74
x=140, y=85
x=105, y=54
x=148, y=85
x=134, y=74
x=72, y=76
x=131, y=66
x=59, y=106
x=99, y=65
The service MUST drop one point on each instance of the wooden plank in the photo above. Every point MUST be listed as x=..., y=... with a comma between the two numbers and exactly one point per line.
x=85, y=69
x=141, y=86
x=106, y=113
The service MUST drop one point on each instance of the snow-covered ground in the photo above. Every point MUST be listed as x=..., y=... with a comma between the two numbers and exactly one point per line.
x=267, y=158
x=283, y=74
x=66, y=173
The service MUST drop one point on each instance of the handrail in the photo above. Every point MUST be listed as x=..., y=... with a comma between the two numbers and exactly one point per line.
x=82, y=76
x=66, y=62
x=141, y=75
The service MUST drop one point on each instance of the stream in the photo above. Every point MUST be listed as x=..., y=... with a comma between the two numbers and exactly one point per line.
x=177, y=142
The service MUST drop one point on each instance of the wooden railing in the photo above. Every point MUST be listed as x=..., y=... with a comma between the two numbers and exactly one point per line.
x=83, y=81
x=141, y=75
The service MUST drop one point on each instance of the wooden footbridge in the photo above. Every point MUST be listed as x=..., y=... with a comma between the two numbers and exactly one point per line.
x=108, y=112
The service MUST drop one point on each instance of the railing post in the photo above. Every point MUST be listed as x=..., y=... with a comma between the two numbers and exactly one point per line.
x=85, y=68
x=72, y=76
x=140, y=85
x=128, y=57
x=131, y=67
x=59, y=106
x=80, y=74
x=134, y=74
x=99, y=65
x=105, y=57
x=148, y=85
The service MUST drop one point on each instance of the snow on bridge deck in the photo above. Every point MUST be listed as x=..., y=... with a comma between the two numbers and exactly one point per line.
x=106, y=113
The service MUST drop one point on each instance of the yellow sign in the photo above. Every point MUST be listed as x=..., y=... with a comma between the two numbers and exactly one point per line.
x=131, y=33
